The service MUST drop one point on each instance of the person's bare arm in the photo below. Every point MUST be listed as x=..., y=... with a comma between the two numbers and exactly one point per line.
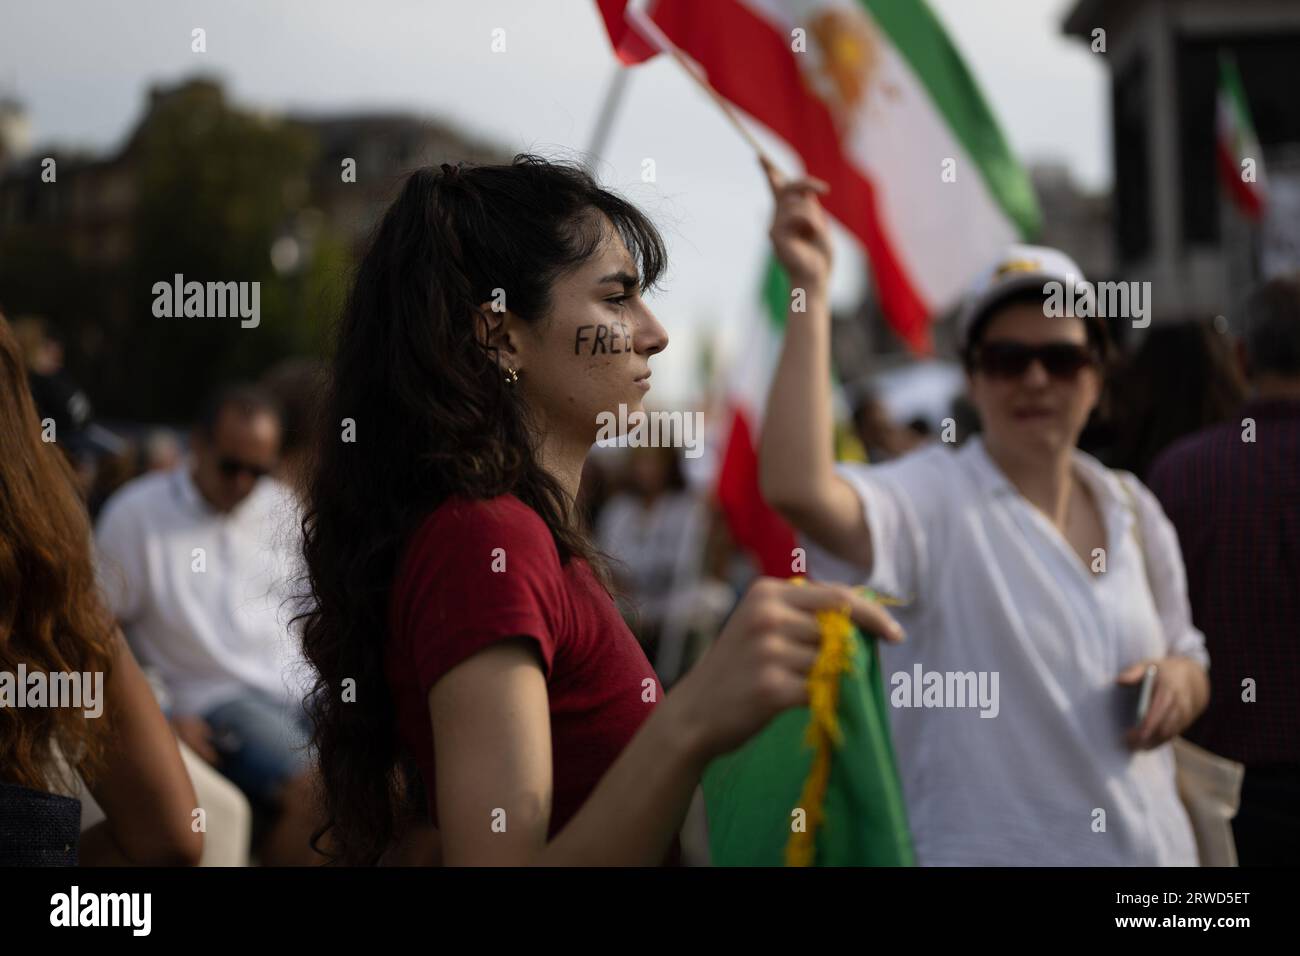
x=494, y=775
x=143, y=787
x=796, y=451
x=491, y=727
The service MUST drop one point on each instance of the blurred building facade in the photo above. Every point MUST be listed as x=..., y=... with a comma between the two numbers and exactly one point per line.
x=1075, y=220
x=213, y=190
x=15, y=131
x=1172, y=225
x=93, y=213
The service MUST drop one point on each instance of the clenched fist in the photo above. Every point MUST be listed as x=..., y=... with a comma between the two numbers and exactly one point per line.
x=800, y=230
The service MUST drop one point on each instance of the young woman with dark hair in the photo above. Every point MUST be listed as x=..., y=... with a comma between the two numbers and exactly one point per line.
x=53, y=622
x=459, y=623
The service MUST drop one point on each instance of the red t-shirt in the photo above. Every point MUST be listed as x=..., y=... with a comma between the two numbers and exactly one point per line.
x=448, y=602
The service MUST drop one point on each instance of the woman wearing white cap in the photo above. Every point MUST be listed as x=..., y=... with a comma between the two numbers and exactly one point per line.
x=1040, y=586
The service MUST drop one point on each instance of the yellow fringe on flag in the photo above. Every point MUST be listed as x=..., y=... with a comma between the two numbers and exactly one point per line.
x=823, y=733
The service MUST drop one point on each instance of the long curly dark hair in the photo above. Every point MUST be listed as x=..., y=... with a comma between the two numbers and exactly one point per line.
x=432, y=417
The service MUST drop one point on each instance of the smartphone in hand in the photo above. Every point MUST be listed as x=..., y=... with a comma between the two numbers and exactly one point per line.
x=1135, y=699
x=1145, y=692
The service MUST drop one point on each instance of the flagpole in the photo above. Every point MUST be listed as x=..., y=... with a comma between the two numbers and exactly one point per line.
x=652, y=34
x=614, y=94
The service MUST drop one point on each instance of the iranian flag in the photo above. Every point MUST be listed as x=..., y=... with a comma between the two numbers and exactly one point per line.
x=877, y=102
x=818, y=786
x=1241, y=163
x=754, y=524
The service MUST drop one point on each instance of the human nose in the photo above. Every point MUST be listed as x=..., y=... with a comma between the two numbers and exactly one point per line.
x=651, y=336
x=1036, y=374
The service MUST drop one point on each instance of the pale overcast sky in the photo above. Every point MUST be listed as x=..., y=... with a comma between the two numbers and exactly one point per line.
x=81, y=67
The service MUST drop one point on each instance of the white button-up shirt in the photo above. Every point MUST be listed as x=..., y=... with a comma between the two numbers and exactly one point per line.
x=993, y=586
x=200, y=594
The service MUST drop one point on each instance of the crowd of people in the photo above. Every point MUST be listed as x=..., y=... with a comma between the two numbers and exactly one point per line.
x=395, y=611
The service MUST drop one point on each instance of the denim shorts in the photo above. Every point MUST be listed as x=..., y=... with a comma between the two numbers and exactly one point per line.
x=262, y=742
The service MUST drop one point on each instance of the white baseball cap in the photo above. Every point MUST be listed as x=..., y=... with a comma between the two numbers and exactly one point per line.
x=1018, y=268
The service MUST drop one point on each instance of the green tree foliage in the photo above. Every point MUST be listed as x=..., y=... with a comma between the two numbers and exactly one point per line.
x=215, y=189
x=211, y=190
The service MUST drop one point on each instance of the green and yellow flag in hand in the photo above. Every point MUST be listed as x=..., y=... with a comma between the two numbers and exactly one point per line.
x=818, y=786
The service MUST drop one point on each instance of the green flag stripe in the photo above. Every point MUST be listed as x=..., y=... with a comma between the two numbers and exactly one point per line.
x=1230, y=83
x=776, y=294
x=922, y=42
x=752, y=793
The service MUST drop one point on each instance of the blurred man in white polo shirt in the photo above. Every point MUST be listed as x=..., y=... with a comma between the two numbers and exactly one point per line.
x=197, y=564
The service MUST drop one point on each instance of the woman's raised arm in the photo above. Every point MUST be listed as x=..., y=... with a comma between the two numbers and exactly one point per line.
x=796, y=454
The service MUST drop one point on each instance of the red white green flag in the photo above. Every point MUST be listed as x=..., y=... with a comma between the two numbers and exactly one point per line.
x=877, y=102
x=1240, y=160
x=754, y=524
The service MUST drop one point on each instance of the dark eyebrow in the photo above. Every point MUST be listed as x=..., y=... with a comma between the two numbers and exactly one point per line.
x=626, y=279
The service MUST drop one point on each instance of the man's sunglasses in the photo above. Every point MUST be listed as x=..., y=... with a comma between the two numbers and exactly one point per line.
x=1062, y=360
x=231, y=468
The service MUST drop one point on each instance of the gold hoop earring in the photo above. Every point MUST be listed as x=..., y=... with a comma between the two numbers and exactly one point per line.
x=512, y=376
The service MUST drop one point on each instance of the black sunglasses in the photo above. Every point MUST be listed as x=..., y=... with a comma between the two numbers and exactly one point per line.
x=1062, y=360
x=231, y=467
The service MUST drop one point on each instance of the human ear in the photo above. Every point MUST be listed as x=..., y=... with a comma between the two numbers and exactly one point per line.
x=495, y=330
